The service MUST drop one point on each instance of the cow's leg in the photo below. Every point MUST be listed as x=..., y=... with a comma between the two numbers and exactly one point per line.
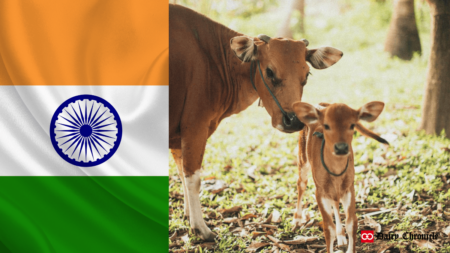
x=193, y=147
x=342, y=240
x=351, y=222
x=329, y=228
x=303, y=169
x=299, y=216
x=178, y=157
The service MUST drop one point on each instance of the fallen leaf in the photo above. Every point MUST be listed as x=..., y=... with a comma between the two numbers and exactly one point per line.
x=447, y=231
x=279, y=243
x=255, y=234
x=207, y=245
x=425, y=244
x=251, y=172
x=372, y=223
x=276, y=216
x=230, y=220
x=214, y=186
x=234, y=209
x=268, y=219
x=254, y=246
x=301, y=240
x=248, y=216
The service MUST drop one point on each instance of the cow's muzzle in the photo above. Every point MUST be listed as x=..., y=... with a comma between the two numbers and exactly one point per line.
x=291, y=123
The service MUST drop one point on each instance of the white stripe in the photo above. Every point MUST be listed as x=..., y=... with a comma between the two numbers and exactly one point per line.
x=26, y=148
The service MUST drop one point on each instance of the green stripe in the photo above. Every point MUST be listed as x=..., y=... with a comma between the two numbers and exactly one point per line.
x=83, y=214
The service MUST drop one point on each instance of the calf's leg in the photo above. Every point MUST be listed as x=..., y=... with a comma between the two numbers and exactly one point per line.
x=329, y=228
x=178, y=157
x=342, y=240
x=351, y=222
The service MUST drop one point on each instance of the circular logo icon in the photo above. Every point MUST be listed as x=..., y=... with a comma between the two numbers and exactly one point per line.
x=367, y=236
x=86, y=130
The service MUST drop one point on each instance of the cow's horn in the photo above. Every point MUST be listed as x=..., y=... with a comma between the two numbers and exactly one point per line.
x=305, y=41
x=264, y=38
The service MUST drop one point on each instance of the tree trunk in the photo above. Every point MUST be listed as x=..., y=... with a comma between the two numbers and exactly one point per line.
x=285, y=29
x=403, y=38
x=436, y=99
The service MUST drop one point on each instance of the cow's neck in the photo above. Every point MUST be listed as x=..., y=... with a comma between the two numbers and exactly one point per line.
x=237, y=83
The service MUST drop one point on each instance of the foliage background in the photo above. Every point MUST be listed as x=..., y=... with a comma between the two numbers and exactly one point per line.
x=414, y=164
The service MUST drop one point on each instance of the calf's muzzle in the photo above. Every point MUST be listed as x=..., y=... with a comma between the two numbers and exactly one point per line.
x=341, y=148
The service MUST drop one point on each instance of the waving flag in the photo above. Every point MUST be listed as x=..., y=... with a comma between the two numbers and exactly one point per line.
x=83, y=126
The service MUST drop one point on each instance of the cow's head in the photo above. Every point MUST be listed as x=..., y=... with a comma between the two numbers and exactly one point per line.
x=284, y=68
x=338, y=122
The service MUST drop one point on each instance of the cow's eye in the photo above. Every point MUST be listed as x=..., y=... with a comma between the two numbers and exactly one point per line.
x=327, y=127
x=352, y=126
x=270, y=73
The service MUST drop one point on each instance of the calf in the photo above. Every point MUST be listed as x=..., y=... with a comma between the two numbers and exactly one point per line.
x=325, y=148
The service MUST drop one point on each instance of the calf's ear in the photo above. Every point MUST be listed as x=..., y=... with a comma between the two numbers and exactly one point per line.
x=244, y=48
x=305, y=112
x=370, y=111
x=323, y=57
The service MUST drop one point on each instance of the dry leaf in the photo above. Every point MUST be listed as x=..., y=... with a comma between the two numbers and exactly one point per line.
x=207, y=245
x=230, y=220
x=301, y=240
x=425, y=244
x=276, y=216
x=447, y=231
x=256, y=245
x=256, y=234
x=248, y=216
x=278, y=243
x=251, y=172
x=372, y=223
x=234, y=209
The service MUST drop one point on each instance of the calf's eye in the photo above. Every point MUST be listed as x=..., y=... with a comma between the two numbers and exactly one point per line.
x=352, y=126
x=327, y=127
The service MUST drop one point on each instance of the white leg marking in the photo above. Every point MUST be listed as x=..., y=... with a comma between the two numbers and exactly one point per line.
x=196, y=215
x=346, y=202
x=327, y=204
x=339, y=229
x=332, y=237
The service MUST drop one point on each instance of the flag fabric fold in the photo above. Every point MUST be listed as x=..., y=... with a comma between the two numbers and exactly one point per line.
x=52, y=51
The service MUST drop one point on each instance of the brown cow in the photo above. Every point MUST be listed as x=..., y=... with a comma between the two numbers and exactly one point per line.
x=210, y=80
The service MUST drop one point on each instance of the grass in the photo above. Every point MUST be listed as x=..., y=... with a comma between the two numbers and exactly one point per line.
x=411, y=175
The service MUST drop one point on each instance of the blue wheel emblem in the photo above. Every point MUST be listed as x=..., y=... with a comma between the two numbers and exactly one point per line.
x=86, y=130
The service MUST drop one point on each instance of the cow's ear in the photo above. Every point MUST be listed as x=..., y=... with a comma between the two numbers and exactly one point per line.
x=305, y=112
x=244, y=48
x=370, y=111
x=323, y=57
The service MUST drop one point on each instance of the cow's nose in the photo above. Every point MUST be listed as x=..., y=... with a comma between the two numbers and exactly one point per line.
x=292, y=123
x=341, y=148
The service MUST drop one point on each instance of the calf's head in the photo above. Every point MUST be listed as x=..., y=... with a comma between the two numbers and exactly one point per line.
x=338, y=122
x=283, y=66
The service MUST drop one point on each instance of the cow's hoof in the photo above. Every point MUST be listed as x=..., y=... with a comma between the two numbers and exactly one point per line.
x=207, y=235
x=298, y=223
x=342, y=241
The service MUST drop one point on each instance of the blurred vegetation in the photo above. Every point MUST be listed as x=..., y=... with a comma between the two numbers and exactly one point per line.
x=414, y=163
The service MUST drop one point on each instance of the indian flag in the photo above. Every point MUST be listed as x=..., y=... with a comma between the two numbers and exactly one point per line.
x=83, y=126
